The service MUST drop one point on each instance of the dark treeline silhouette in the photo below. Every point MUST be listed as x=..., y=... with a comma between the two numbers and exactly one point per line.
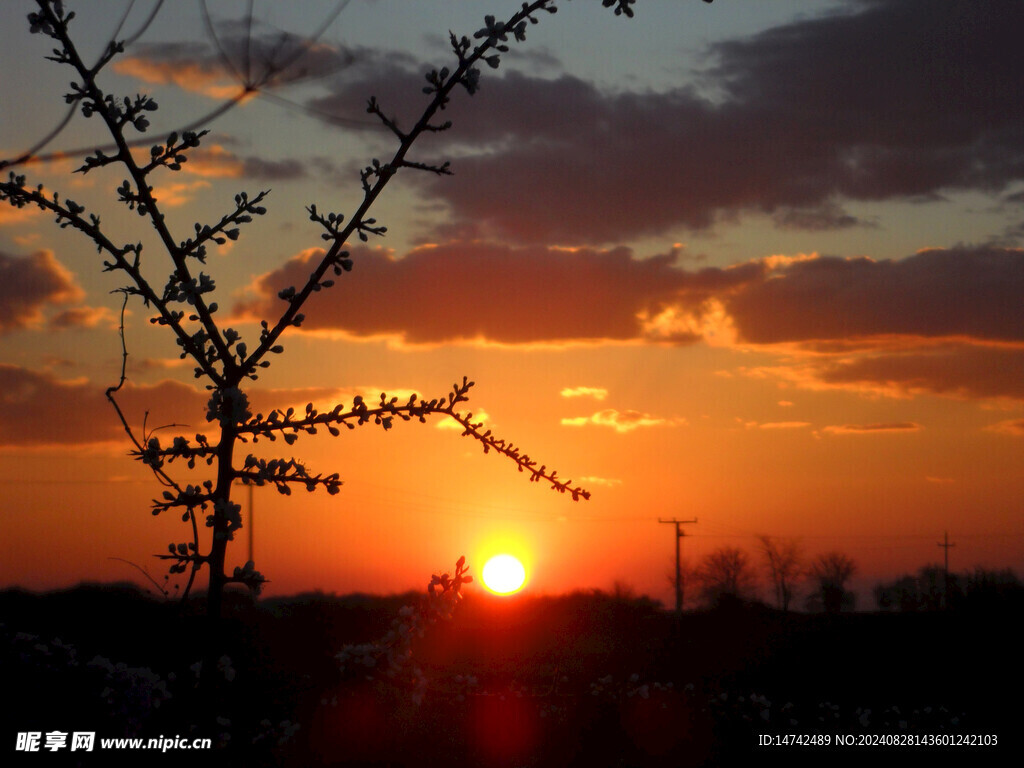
x=588, y=678
x=931, y=590
x=729, y=575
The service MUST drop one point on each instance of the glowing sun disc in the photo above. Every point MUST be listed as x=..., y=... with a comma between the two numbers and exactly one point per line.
x=503, y=574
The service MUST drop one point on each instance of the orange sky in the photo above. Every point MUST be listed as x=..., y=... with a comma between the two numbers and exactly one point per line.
x=771, y=285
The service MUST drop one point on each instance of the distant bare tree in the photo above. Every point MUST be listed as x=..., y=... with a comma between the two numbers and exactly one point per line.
x=783, y=562
x=831, y=571
x=725, y=574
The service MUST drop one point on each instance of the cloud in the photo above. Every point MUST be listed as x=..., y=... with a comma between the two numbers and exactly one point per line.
x=959, y=292
x=84, y=317
x=11, y=216
x=479, y=417
x=621, y=421
x=784, y=425
x=864, y=104
x=607, y=482
x=1013, y=427
x=266, y=58
x=946, y=322
x=483, y=292
x=202, y=75
x=962, y=371
x=273, y=170
x=873, y=429
x=178, y=193
x=942, y=321
x=156, y=363
x=598, y=393
x=37, y=409
x=217, y=162
x=214, y=162
x=827, y=216
x=30, y=284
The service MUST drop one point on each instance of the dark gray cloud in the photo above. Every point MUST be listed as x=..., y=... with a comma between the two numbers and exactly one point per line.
x=967, y=292
x=893, y=99
x=272, y=170
x=955, y=370
x=477, y=290
x=28, y=285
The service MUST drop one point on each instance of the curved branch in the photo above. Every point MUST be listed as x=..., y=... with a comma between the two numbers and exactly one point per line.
x=162, y=476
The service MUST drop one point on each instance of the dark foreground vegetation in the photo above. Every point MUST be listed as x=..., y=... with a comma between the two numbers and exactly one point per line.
x=578, y=680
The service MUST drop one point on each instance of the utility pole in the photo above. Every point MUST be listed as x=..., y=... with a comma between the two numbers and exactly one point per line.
x=251, y=516
x=945, y=584
x=679, y=575
x=249, y=485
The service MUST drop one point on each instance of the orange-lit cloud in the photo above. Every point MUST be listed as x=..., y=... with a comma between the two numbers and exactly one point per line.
x=1013, y=427
x=621, y=421
x=178, y=193
x=948, y=322
x=260, y=56
x=465, y=291
x=156, y=364
x=471, y=292
x=199, y=76
x=11, y=216
x=873, y=429
x=598, y=393
x=607, y=482
x=479, y=417
x=84, y=317
x=213, y=162
x=38, y=409
x=30, y=284
x=217, y=162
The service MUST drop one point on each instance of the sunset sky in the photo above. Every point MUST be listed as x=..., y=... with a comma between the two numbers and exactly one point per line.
x=754, y=263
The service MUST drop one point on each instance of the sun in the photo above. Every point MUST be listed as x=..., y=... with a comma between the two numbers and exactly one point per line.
x=503, y=574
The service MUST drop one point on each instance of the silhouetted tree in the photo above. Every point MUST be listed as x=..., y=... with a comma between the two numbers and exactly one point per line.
x=725, y=575
x=993, y=590
x=783, y=562
x=924, y=591
x=831, y=571
x=183, y=302
x=899, y=595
